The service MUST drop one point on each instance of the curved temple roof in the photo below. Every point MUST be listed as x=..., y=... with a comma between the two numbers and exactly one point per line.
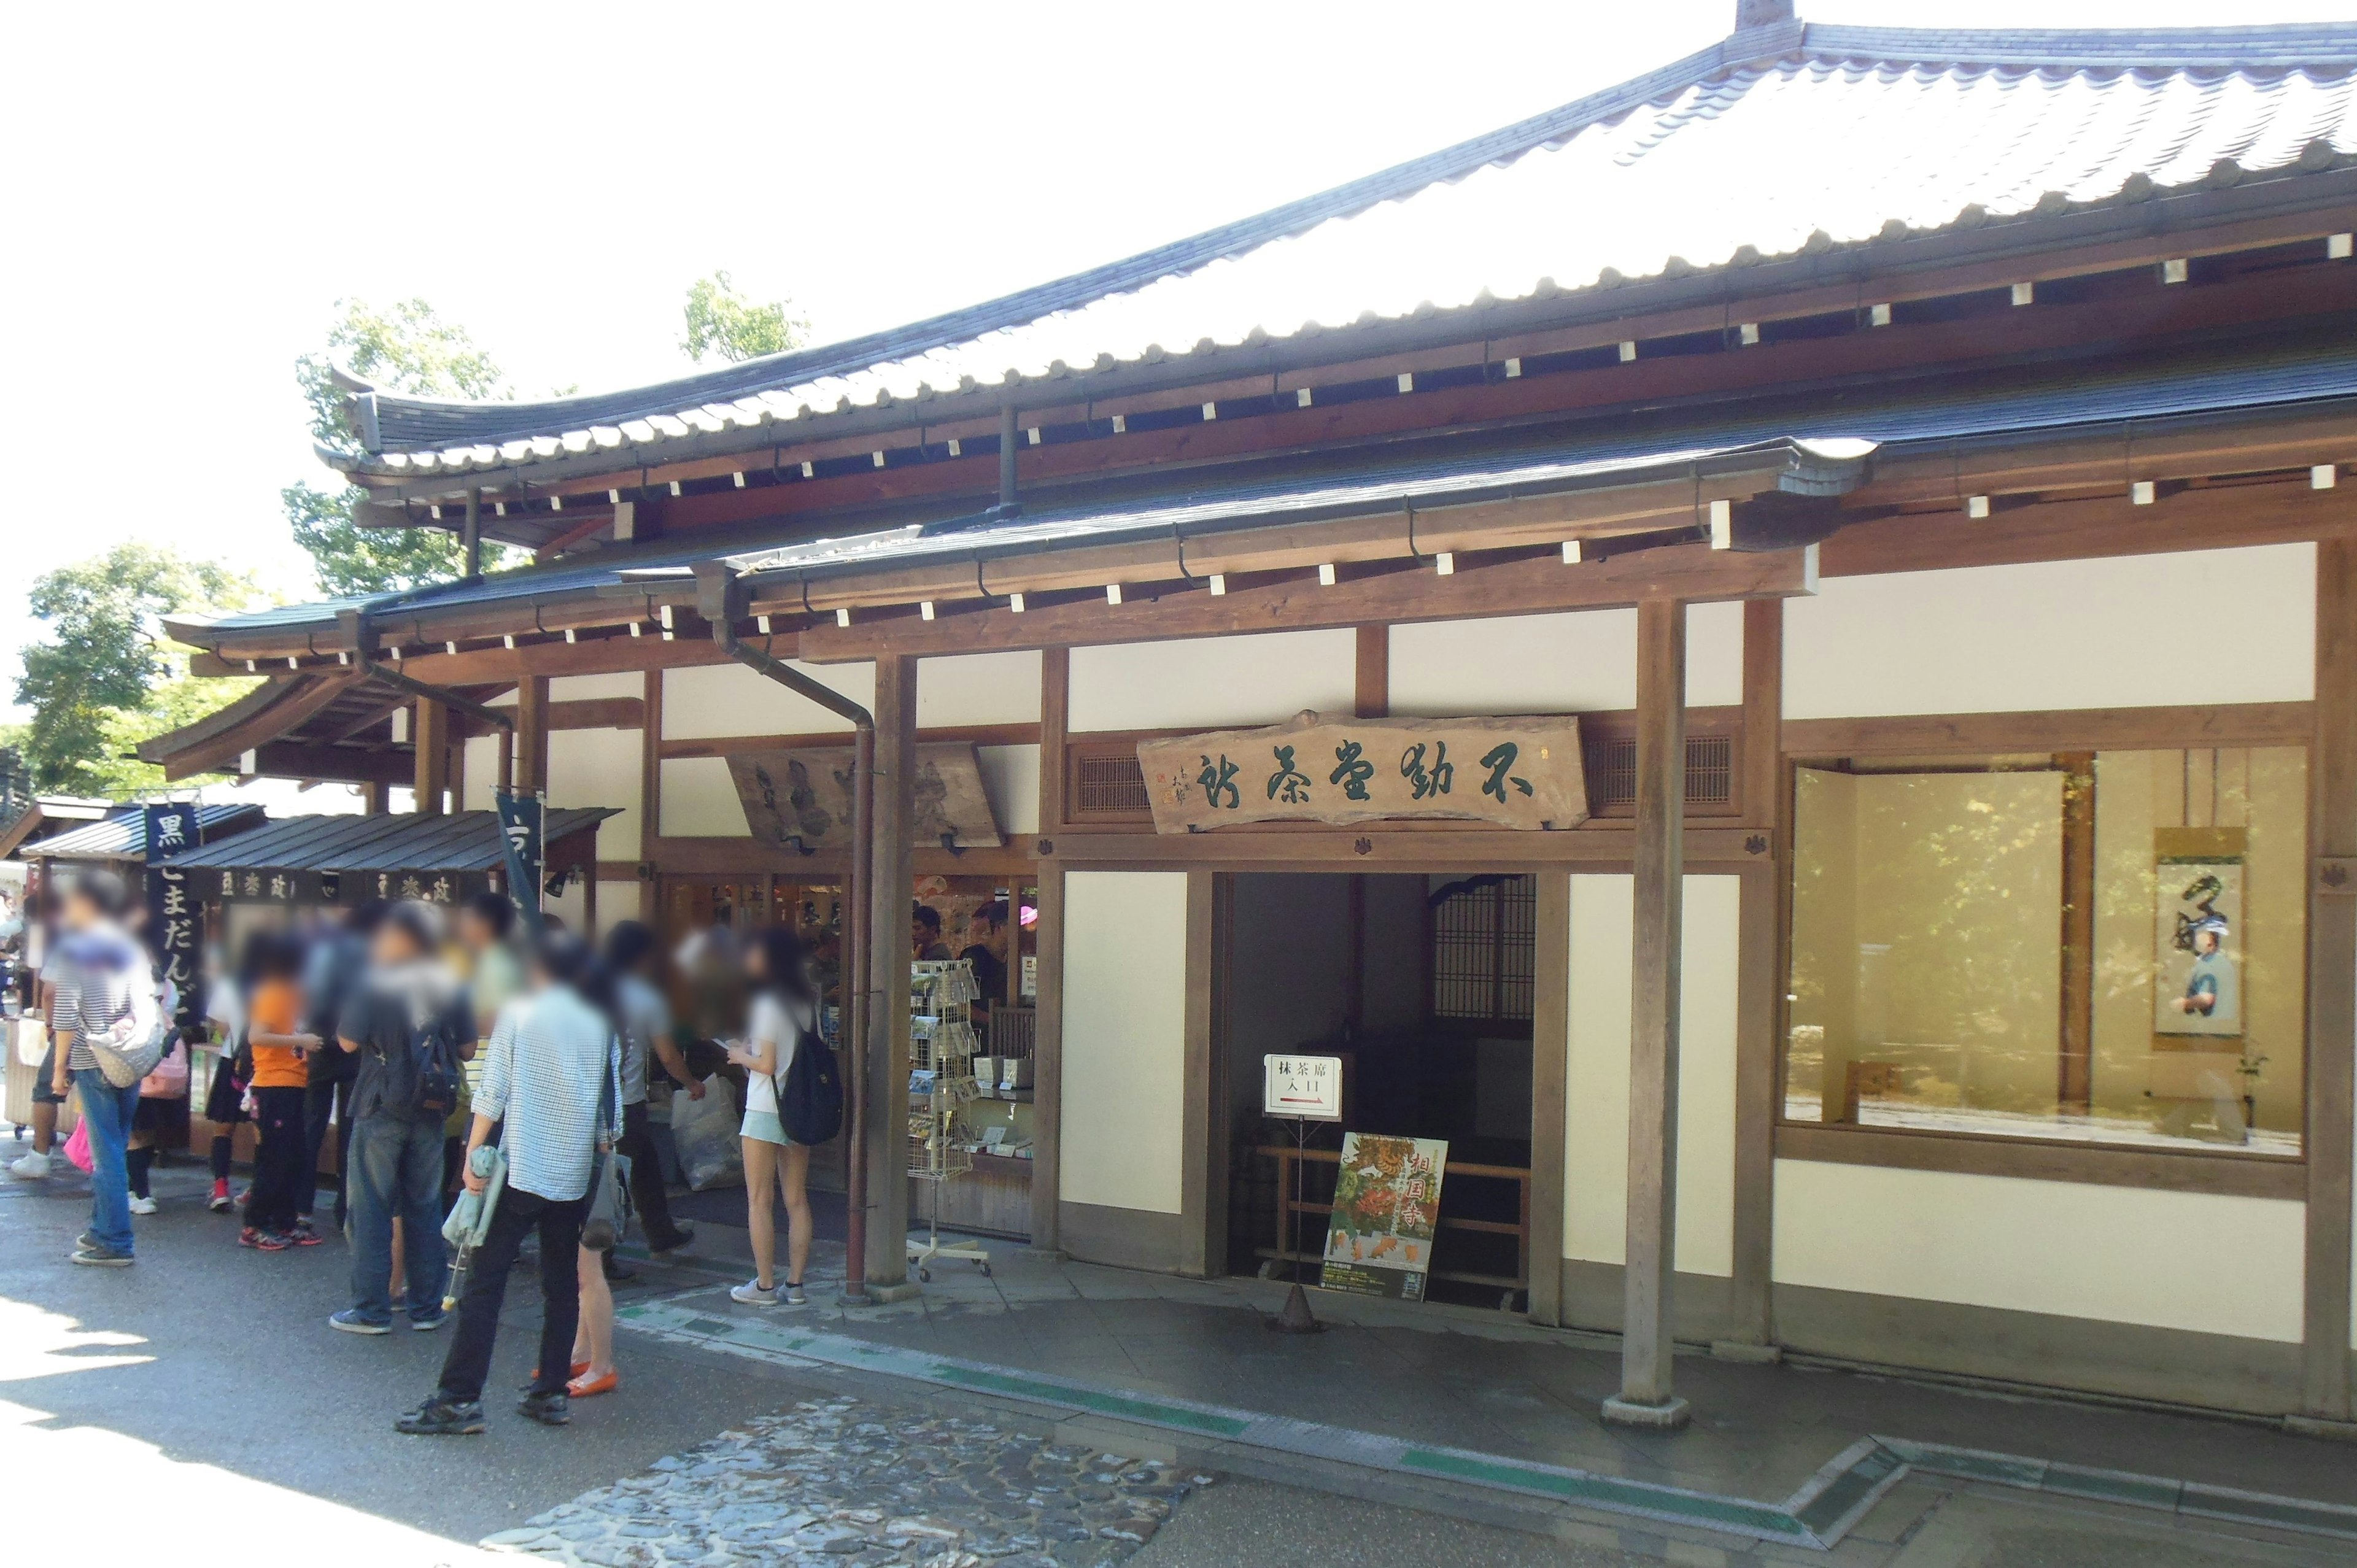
x=1779, y=141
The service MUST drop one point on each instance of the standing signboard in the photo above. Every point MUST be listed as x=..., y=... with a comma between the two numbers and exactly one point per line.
x=1386, y=1208
x=175, y=934
x=521, y=822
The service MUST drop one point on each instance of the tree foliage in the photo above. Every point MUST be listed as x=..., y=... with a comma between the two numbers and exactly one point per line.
x=106, y=678
x=407, y=348
x=722, y=321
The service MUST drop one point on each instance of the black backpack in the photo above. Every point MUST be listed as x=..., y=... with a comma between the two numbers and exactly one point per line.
x=810, y=1095
x=440, y=1074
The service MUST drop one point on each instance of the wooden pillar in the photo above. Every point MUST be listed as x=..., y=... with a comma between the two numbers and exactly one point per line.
x=1550, y=1072
x=651, y=794
x=532, y=735
x=2332, y=987
x=1373, y=672
x=1202, y=1206
x=429, y=732
x=1048, y=938
x=887, y=959
x=1760, y=982
x=1648, y=1395
x=374, y=798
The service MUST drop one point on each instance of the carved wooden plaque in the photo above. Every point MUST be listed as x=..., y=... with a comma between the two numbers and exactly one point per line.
x=804, y=796
x=1515, y=773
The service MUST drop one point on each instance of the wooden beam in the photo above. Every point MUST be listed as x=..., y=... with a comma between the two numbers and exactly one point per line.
x=1600, y=846
x=2025, y=1159
x=2332, y=990
x=1055, y=718
x=2074, y=729
x=2075, y=1076
x=1048, y=939
x=1648, y=1394
x=1196, y=1221
x=430, y=735
x=272, y=711
x=1693, y=573
x=739, y=744
x=599, y=655
x=532, y=735
x=341, y=763
x=583, y=712
x=1372, y=677
x=888, y=1040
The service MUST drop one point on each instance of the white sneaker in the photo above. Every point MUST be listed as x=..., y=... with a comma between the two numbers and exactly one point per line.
x=32, y=1167
x=142, y=1205
x=751, y=1293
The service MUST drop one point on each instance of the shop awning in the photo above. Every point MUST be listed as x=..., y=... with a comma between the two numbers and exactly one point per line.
x=345, y=859
x=123, y=836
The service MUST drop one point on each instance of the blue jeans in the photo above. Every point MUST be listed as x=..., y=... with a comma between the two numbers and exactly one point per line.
x=107, y=1111
x=396, y=1172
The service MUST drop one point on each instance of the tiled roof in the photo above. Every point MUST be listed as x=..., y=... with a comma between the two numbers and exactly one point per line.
x=124, y=835
x=2227, y=380
x=1778, y=141
x=459, y=841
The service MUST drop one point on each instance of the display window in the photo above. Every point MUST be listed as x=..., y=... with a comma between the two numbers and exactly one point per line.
x=2103, y=947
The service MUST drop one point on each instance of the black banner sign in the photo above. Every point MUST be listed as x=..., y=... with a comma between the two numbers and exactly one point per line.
x=174, y=921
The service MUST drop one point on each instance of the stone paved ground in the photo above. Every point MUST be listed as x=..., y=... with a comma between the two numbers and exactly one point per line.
x=851, y=1483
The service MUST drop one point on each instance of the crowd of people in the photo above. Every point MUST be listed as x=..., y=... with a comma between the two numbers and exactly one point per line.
x=421, y=1042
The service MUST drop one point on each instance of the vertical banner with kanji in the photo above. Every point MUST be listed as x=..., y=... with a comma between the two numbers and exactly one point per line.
x=1386, y=1208
x=521, y=820
x=175, y=926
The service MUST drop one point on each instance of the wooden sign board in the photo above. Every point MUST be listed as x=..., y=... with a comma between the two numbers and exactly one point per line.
x=1513, y=773
x=804, y=797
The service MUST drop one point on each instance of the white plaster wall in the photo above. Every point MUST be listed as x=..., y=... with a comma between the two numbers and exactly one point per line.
x=1124, y=1038
x=1213, y=681
x=1596, y=1131
x=482, y=762
x=1581, y=661
x=707, y=700
x=699, y=800
x=1010, y=776
x=596, y=768
x=616, y=901
x=2214, y=625
x=2203, y=1261
x=978, y=689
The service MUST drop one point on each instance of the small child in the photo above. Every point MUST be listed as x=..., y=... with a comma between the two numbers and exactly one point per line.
x=281, y=1052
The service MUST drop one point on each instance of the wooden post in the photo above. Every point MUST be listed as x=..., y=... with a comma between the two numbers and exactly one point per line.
x=2332, y=987
x=1759, y=984
x=650, y=800
x=1047, y=936
x=373, y=797
x=532, y=735
x=1550, y=1067
x=886, y=1107
x=429, y=732
x=1648, y=1398
x=1202, y=1214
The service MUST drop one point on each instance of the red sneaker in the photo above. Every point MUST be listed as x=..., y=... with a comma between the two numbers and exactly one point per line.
x=219, y=1202
x=272, y=1240
x=303, y=1235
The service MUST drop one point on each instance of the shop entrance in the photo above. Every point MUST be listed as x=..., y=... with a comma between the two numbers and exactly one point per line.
x=1424, y=986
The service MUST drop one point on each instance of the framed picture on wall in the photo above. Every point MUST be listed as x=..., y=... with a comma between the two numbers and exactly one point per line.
x=2198, y=932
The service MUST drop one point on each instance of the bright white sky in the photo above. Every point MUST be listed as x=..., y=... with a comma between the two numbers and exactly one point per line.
x=191, y=189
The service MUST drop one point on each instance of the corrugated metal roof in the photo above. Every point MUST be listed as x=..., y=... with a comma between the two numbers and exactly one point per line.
x=459, y=841
x=1776, y=141
x=123, y=836
x=2234, y=378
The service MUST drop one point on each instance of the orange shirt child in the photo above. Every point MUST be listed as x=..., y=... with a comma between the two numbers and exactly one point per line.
x=277, y=1009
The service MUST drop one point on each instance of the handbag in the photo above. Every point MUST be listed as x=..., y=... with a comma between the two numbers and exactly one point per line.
x=78, y=1148
x=170, y=1079
x=610, y=1170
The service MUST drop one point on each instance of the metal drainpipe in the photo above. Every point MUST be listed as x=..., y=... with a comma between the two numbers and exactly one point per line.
x=720, y=599
x=359, y=637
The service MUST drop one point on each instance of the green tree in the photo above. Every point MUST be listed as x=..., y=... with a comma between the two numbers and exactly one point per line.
x=107, y=678
x=406, y=348
x=723, y=322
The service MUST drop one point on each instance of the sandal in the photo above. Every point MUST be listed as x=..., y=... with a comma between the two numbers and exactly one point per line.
x=586, y=1387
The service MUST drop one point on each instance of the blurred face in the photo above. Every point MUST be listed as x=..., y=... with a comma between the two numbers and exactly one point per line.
x=474, y=931
x=393, y=945
x=757, y=963
x=78, y=909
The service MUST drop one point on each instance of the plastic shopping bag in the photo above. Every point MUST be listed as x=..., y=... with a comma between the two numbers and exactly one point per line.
x=705, y=1132
x=78, y=1148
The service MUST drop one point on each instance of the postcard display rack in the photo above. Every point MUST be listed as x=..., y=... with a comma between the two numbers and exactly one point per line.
x=941, y=1081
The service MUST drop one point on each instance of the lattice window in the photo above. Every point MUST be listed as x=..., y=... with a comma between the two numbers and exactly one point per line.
x=1482, y=939
x=1109, y=785
x=1612, y=774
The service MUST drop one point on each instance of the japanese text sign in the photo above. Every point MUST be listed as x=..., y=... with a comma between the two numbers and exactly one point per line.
x=175, y=932
x=1307, y=1087
x=1515, y=773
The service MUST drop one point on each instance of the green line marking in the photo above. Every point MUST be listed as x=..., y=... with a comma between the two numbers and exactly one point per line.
x=1847, y=1490
x=2290, y=1513
x=1095, y=1400
x=2114, y=1486
x=713, y=1326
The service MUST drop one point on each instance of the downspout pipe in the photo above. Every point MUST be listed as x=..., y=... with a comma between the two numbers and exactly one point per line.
x=361, y=640
x=723, y=599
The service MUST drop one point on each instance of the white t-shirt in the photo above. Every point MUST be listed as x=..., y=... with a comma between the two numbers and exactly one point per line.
x=770, y=1021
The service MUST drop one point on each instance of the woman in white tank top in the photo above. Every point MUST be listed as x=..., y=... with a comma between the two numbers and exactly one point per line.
x=785, y=1007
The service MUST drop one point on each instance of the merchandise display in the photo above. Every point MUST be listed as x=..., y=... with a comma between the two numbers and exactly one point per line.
x=942, y=1046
